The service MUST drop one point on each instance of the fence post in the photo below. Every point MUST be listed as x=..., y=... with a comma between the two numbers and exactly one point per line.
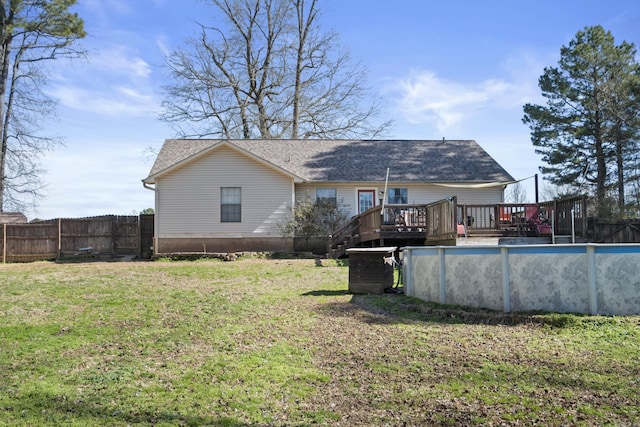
x=583, y=215
x=59, y=237
x=139, y=236
x=4, y=243
x=114, y=228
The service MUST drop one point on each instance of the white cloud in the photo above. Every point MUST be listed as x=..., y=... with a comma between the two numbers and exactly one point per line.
x=113, y=82
x=163, y=44
x=120, y=61
x=116, y=101
x=423, y=97
x=426, y=98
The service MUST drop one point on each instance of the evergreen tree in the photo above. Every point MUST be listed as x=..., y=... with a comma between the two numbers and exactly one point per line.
x=589, y=123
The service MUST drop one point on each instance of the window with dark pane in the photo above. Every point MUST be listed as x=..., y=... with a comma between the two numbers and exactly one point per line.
x=397, y=196
x=326, y=196
x=230, y=204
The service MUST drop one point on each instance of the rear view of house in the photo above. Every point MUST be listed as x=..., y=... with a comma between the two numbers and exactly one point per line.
x=229, y=195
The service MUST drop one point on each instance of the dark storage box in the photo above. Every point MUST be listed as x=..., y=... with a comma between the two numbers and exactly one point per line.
x=369, y=272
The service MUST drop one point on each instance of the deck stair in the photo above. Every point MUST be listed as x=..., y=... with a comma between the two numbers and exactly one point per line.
x=344, y=238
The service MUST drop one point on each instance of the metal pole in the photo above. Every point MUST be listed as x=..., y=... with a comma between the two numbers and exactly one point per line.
x=573, y=227
x=536, y=180
x=384, y=195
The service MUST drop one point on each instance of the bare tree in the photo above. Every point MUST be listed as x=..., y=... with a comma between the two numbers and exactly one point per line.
x=552, y=191
x=516, y=193
x=268, y=72
x=31, y=33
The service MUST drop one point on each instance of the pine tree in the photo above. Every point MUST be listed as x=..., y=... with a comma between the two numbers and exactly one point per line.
x=588, y=123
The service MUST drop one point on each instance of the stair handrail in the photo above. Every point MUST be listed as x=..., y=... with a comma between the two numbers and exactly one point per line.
x=347, y=230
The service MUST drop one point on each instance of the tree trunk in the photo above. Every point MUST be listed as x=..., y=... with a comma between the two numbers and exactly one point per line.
x=5, y=54
x=601, y=167
x=620, y=167
x=303, y=31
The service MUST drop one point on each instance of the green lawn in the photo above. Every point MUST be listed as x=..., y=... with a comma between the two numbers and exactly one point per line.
x=260, y=342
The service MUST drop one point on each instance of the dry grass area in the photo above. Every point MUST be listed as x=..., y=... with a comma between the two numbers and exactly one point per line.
x=260, y=342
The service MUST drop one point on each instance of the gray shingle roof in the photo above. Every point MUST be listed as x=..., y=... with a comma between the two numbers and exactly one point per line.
x=353, y=160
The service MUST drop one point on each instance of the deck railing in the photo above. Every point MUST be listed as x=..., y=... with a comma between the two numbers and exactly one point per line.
x=435, y=219
x=393, y=217
x=566, y=211
x=441, y=219
x=404, y=216
x=499, y=217
x=345, y=232
x=442, y=215
x=521, y=216
x=445, y=219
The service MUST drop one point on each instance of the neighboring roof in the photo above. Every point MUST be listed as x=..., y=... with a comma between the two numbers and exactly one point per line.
x=351, y=160
x=12, y=218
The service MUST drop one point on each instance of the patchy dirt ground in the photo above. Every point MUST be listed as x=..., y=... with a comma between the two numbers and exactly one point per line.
x=457, y=367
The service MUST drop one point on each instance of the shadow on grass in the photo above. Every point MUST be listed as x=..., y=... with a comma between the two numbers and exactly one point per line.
x=325, y=293
x=93, y=412
x=394, y=308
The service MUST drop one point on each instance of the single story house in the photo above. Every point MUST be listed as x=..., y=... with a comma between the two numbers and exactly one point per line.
x=214, y=195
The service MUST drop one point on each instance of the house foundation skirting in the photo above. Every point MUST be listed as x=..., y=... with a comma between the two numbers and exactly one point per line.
x=222, y=245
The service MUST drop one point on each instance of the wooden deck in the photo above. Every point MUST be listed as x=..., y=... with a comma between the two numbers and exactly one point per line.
x=398, y=225
x=442, y=222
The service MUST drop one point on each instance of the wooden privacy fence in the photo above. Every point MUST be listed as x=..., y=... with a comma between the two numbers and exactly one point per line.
x=51, y=239
x=627, y=231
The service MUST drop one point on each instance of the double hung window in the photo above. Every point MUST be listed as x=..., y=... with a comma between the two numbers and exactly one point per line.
x=397, y=196
x=230, y=204
x=326, y=196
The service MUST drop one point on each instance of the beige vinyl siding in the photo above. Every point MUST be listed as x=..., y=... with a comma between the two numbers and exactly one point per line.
x=429, y=193
x=417, y=193
x=188, y=199
x=345, y=193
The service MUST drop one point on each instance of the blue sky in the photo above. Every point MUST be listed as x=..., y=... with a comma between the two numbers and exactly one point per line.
x=458, y=69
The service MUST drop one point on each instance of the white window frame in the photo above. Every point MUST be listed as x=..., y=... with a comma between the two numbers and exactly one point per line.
x=331, y=200
x=230, y=201
x=388, y=195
